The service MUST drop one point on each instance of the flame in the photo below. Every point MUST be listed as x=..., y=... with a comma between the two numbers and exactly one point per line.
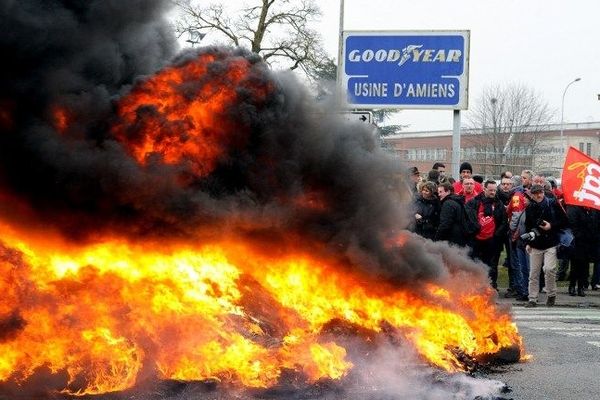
x=107, y=311
x=180, y=115
x=60, y=119
x=110, y=313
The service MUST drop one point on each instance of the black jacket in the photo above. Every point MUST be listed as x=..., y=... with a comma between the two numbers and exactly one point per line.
x=548, y=210
x=429, y=209
x=500, y=219
x=504, y=197
x=584, y=223
x=451, y=216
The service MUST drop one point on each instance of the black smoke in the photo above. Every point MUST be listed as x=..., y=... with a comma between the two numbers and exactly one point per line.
x=303, y=173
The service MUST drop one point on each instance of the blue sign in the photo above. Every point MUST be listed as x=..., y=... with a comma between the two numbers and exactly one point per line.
x=426, y=69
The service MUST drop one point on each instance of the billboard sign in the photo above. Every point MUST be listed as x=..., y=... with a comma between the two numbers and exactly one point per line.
x=406, y=69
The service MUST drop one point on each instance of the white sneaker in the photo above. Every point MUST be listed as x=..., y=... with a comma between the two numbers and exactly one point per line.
x=544, y=290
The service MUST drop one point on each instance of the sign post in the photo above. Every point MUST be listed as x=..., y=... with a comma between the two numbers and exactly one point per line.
x=359, y=116
x=414, y=69
x=406, y=70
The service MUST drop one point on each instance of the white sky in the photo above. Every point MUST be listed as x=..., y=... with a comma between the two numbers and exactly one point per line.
x=544, y=44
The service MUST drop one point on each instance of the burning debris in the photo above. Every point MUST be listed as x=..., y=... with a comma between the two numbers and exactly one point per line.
x=204, y=220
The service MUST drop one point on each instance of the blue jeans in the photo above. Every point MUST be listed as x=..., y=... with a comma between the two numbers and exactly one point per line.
x=523, y=264
x=519, y=280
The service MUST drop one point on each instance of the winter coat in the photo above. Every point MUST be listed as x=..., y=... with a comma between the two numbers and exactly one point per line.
x=451, y=216
x=429, y=209
x=517, y=228
x=504, y=197
x=596, y=235
x=548, y=210
x=500, y=220
x=584, y=224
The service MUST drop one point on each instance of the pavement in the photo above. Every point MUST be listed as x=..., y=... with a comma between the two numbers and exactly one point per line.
x=591, y=299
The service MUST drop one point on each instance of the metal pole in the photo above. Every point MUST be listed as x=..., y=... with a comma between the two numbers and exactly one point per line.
x=456, y=144
x=562, y=114
x=340, y=66
x=495, y=133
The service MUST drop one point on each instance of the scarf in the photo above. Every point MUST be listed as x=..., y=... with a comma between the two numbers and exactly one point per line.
x=488, y=209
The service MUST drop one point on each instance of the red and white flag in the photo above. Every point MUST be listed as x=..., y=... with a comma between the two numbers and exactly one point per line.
x=581, y=180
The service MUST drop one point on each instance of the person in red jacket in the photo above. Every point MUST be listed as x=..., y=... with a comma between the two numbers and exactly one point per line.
x=517, y=201
x=466, y=171
x=491, y=215
x=468, y=191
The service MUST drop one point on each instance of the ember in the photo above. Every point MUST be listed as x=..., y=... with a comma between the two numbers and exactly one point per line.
x=209, y=228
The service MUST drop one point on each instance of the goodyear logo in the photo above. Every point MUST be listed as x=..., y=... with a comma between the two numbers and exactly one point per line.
x=413, y=53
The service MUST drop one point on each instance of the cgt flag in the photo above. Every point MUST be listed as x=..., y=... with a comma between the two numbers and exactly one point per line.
x=581, y=180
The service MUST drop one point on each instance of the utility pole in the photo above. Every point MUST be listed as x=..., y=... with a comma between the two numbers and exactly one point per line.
x=340, y=64
x=562, y=114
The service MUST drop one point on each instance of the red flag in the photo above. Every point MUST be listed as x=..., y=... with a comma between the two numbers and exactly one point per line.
x=581, y=180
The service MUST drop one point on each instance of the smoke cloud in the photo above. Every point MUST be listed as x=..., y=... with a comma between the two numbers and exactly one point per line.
x=289, y=167
x=90, y=148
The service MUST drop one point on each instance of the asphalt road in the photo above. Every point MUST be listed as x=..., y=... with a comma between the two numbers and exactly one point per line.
x=564, y=345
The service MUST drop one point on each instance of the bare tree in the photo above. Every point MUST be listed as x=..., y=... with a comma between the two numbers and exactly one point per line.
x=277, y=30
x=504, y=128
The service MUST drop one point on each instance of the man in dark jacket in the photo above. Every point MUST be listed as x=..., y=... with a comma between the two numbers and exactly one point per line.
x=583, y=223
x=504, y=191
x=595, y=281
x=544, y=218
x=491, y=215
x=451, y=216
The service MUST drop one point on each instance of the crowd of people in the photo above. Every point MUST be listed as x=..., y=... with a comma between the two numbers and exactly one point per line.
x=525, y=218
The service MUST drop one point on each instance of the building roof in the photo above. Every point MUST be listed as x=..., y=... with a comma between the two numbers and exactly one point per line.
x=577, y=126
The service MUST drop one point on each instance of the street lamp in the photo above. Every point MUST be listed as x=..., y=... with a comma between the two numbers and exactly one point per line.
x=562, y=113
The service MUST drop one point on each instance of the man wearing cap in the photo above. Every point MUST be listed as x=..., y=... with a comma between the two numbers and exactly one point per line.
x=415, y=178
x=544, y=218
x=466, y=172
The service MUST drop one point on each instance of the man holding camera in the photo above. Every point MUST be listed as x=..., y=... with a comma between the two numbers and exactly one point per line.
x=544, y=218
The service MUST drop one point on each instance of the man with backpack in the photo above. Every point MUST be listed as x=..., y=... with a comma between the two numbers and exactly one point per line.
x=491, y=216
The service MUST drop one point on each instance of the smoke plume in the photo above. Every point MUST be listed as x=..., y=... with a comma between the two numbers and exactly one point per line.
x=285, y=164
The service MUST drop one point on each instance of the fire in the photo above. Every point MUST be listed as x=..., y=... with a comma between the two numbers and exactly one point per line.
x=180, y=115
x=109, y=312
x=60, y=119
x=246, y=274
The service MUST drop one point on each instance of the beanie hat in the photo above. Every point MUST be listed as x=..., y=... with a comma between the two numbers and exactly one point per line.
x=466, y=166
